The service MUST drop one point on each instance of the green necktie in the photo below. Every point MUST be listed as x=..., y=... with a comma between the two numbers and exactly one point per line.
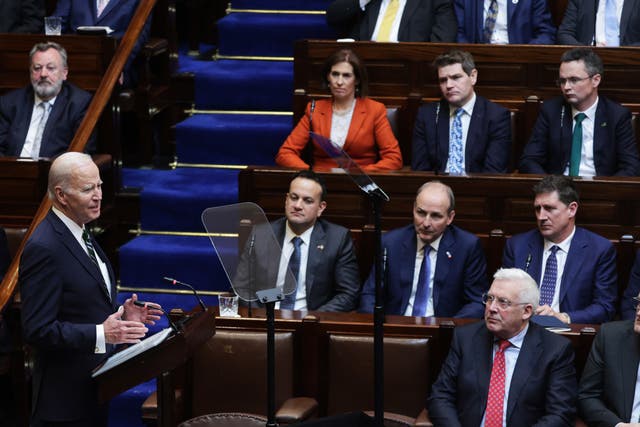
x=576, y=145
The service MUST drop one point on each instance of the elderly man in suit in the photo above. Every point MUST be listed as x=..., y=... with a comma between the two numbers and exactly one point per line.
x=464, y=132
x=609, y=390
x=504, y=22
x=601, y=23
x=576, y=269
x=433, y=267
x=41, y=120
x=581, y=133
x=68, y=290
x=506, y=370
x=394, y=20
x=314, y=254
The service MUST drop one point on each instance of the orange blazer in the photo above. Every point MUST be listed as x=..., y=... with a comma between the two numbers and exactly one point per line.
x=370, y=141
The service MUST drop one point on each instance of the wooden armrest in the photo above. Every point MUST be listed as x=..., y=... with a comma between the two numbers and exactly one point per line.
x=296, y=409
x=423, y=419
x=149, y=407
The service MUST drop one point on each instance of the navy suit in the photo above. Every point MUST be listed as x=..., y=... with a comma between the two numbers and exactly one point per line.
x=459, y=281
x=614, y=146
x=589, y=284
x=63, y=122
x=64, y=297
x=422, y=20
x=488, y=145
x=542, y=390
x=579, y=23
x=528, y=22
x=332, y=278
x=605, y=395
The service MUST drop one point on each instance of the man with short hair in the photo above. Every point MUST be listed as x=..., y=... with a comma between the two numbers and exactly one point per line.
x=433, y=267
x=463, y=132
x=609, y=390
x=41, y=120
x=581, y=133
x=576, y=269
x=68, y=293
x=394, y=20
x=600, y=23
x=506, y=370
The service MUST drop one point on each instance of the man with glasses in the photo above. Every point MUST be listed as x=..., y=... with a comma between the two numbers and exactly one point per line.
x=581, y=133
x=506, y=370
x=609, y=391
x=576, y=269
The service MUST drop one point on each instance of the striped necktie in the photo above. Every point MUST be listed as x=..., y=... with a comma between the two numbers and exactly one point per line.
x=89, y=244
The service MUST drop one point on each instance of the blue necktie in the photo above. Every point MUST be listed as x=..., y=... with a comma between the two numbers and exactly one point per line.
x=422, y=293
x=294, y=265
x=456, y=165
x=611, y=24
x=548, y=287
x=490, y=21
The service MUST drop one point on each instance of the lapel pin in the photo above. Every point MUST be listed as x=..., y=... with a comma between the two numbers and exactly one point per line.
x=320, y=247
x=604, y=124
x=449, y=253
x=514, y=1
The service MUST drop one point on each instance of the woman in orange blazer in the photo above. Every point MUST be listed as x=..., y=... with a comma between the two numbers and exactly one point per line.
x=357, y=123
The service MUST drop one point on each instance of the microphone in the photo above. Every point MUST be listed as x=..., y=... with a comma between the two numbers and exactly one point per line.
x=527, y=263
x=157, y=307
x=195, y=293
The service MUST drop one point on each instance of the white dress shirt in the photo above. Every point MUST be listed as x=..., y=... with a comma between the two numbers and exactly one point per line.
x=287, y=250
x=500, y=31
x=36, y=115
x=466, y=120
x=601, y=38
x=561, y=258
x=587, y=164
x=395, y=27
x=433, y=257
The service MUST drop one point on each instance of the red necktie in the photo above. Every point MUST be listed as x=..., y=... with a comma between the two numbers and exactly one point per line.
x=495, y=401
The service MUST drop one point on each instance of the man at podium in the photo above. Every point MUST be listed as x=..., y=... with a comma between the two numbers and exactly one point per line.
x=68, y=291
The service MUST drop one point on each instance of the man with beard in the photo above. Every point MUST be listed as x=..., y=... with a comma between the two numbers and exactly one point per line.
x=41, y=120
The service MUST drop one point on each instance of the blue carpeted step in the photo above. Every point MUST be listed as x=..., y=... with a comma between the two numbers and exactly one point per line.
x=281, y=4
x=251, y=34
x=245, y=85
x=145, y=260
x=125, y=409
x=231, y=139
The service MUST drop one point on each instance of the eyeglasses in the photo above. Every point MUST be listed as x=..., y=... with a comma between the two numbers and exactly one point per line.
x=503, y=303
x=571, y=80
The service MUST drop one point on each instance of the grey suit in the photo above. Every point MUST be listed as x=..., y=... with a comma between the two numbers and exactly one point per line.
x=332, y=278
x=607, y=386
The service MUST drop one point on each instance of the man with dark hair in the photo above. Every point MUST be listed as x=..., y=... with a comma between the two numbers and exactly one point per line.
x=581, y=133
x=463, y=132
x=575, y=268
x=600, y=23
x=433, y=267
x=394, y=20
x=41, y=120
x=327, y=277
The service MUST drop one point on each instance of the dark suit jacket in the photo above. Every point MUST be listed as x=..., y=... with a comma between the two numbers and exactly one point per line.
x=589, y=284
x=579, y=23
x=64, y=297
x=332, y=278
x=422, y=20
x=542, y=390
x=460, y=276
x=488, y=145
x=528, y=22
x=627, y=311
x=607, y=386
x=21, y=16
x=64, y=119
x=614, y=146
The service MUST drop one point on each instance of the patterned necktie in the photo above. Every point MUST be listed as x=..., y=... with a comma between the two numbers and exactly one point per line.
x=490, y=21
x=89, y=244
x=384, y=33
x=422, y=293
x=611, y=24
x=456, y=164
x=548, y=287
x=495, y=401
x=576, y=145
x=294, y=266
x=45, y=108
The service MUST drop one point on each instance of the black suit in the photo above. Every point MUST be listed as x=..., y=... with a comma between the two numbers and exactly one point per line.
x=64, y=119
x=608, y=381
x=542, y=390
x=21, y=16
x=579, y=23
x=64, y=297
x=422, y=20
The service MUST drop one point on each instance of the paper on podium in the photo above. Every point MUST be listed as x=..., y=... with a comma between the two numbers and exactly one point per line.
x=133, y=351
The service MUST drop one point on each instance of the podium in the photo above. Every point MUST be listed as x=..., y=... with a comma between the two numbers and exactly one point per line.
x=175, y=351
